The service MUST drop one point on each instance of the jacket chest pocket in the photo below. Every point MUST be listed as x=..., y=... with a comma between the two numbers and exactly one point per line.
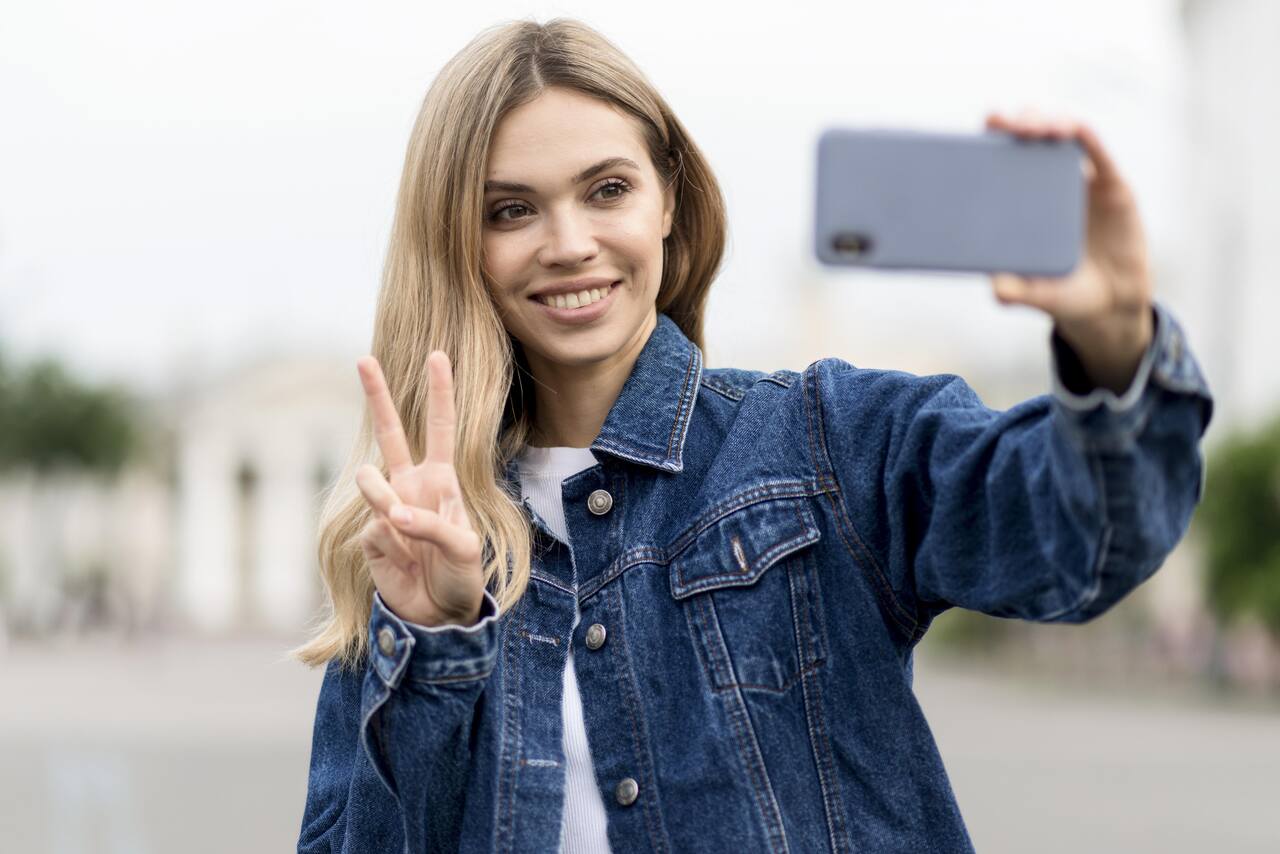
x=748, y=582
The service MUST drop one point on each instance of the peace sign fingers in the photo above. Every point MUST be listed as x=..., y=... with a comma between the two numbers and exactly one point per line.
x=387, y=428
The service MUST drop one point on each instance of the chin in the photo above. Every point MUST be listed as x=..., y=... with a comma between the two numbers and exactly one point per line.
x=583, y=348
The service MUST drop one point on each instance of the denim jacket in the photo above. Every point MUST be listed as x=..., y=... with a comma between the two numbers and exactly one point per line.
x=755, y=556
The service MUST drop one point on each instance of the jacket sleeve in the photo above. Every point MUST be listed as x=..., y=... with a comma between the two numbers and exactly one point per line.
x=393, y=737
x=1052, y=510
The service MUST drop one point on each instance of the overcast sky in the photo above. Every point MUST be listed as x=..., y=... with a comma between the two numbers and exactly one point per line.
x=183, y=184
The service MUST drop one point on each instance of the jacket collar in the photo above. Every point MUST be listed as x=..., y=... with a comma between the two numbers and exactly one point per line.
x=648, y=422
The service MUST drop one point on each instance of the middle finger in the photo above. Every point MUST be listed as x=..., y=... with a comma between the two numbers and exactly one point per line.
x=441, y=420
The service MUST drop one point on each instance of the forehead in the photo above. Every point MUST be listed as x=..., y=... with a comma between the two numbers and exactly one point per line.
x=557, y=134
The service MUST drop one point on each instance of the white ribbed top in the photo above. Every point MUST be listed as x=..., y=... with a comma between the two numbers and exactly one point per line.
x=583, y=822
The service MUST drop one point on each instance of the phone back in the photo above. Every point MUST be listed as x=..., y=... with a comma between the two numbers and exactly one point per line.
x=986, y=202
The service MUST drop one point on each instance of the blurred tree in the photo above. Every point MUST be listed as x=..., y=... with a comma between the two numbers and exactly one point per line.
x=1240, y=518
x=49, y=420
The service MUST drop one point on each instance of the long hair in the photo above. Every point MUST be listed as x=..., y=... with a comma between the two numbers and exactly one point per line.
x=434, y=295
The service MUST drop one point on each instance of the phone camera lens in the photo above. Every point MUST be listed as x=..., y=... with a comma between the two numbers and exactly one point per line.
x=851, y=243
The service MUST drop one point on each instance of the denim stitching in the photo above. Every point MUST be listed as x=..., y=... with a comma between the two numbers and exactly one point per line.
x=652, y=554
x=734, y=393
x=444, y=680
x=540, y=763
x=365, y=736
x=737, y=579
x=504, y=814
x=738, y=501
x=539, y=638
x=782, y=377
x=685, y=406
x=626, y=678
x=1091, y=591
x=837, y=820
x=833, y=805
x=844, y=525
x=718, y=667
x=550, y=581
x=745, y=741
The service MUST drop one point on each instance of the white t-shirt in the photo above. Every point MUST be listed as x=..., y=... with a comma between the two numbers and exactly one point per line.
x=583, y=822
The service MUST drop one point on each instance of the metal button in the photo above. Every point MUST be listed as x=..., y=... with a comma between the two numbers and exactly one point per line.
x=386, y=640
x=627, y=791
x=599, y=502
x=595, y=636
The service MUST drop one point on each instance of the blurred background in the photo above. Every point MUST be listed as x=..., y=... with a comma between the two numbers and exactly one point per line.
x=194, y=205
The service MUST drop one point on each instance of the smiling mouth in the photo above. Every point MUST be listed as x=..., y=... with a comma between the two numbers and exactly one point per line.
x=579, y=299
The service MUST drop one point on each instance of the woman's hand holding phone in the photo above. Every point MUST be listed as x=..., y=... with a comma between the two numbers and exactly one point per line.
x=424, y=556
x=1103, y=307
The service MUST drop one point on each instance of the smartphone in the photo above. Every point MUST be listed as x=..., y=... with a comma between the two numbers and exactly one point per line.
x=923, y=200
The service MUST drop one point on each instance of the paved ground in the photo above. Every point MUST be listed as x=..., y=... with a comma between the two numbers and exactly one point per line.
x=180, y=746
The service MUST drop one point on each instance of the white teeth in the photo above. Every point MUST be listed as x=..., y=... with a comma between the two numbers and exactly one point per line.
x=575, y=300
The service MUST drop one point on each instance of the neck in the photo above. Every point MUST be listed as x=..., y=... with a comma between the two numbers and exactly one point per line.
x=574, y=400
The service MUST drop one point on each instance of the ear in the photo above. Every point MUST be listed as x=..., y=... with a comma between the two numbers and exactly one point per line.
x=668, y=209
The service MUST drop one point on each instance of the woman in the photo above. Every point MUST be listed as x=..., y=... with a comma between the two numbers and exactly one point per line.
x=627, y=602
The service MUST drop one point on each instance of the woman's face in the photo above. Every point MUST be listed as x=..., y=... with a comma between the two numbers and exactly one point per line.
x=571, y=195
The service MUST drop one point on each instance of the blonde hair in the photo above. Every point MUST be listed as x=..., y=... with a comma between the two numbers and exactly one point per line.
x=434, y=295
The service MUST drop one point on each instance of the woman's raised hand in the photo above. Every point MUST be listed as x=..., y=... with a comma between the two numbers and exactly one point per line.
x=425, y=559
x=1102, y=308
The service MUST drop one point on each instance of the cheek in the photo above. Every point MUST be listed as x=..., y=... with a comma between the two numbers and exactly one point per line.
x=500, y=257
x=639, y=238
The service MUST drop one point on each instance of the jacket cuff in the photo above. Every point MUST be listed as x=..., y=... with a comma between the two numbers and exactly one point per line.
x=1099, y=413
x=399, y=649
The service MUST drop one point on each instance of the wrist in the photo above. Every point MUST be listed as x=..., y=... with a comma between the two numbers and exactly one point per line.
x=437, y=619
x=1110, y=348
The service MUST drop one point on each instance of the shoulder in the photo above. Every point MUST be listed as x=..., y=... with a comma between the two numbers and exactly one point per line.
x=830, y=377
x=735, y=383
x=837, y=381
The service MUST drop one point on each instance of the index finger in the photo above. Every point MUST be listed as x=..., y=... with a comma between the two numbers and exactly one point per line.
x=441, y=418
x=1102, y=162
x=387, y=429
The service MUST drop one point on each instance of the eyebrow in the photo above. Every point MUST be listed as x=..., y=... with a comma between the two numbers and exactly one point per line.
x=607, y=163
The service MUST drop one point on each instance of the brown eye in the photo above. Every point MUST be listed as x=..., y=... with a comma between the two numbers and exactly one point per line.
x=496, y=216
x=615, y=183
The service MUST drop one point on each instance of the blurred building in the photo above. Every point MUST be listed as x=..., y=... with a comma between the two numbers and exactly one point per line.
x=255, y=450
x=214, y=530
x=1232, y=218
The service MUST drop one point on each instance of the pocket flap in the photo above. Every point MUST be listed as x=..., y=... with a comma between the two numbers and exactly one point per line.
x=735, y=549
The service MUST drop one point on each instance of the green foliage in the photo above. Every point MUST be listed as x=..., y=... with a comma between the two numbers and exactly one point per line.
x=1240, y=518
x=968, y=632
x=50, y=420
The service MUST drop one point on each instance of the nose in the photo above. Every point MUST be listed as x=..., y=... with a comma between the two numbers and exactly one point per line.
x=569, y=241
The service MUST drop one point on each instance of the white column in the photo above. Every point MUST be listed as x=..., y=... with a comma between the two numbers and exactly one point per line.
x=286, y=538
x=206, y=588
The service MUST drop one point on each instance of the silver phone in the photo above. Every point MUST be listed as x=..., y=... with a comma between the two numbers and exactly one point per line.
x=922, y=200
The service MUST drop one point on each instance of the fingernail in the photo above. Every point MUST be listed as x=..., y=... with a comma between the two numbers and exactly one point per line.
x=401, y=515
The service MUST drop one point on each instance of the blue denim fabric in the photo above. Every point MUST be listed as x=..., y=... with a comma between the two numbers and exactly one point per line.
x=777, y=545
